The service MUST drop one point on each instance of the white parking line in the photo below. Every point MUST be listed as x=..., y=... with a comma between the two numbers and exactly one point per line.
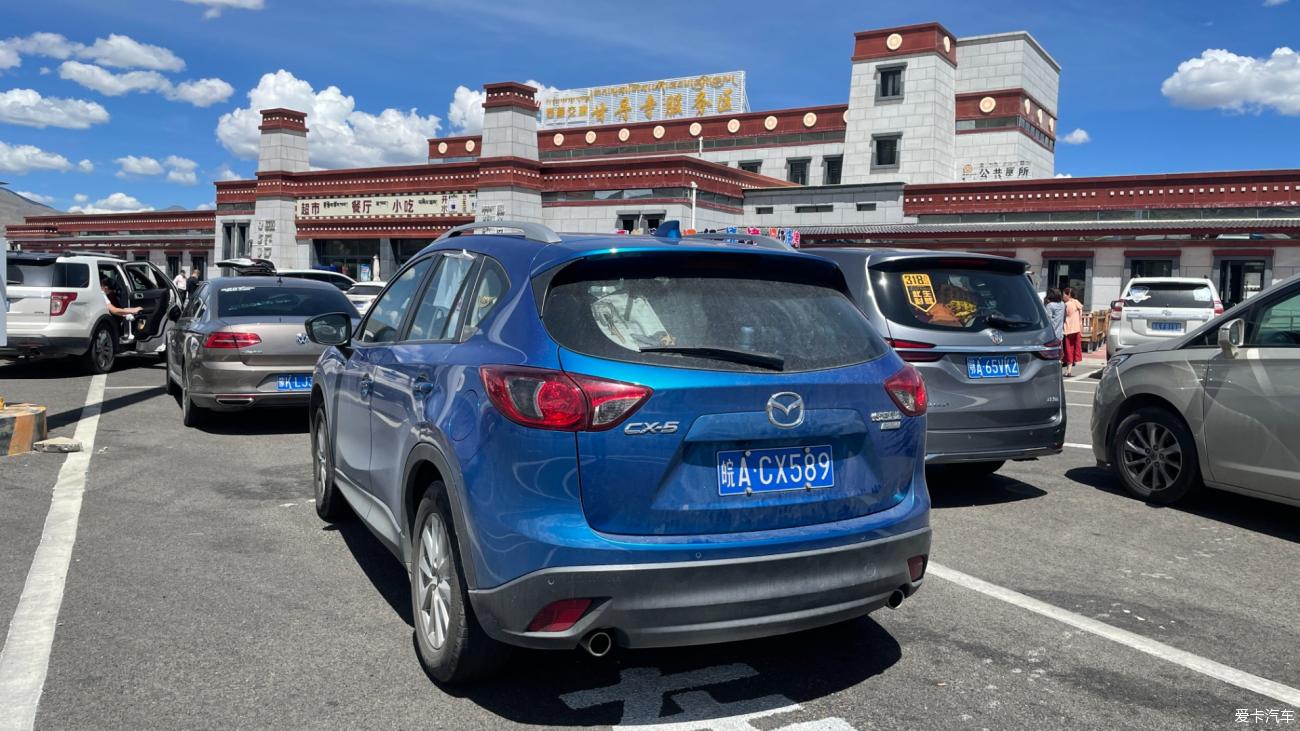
x=26, y=654
x=1071, y=403
x=1263, y=686
x=1077, y=445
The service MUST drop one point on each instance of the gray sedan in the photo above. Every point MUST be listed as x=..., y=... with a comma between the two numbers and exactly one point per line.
x=239, y=342
x=1216, y=407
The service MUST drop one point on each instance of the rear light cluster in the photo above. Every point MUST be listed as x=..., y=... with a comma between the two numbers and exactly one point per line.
x=1218, y=307
x=59, y=302
x=548, y=399
x=907, y=391
x=559, y=616
x=1052, y=350
x=231, y=340
x=1117, y=310
x=913, y=351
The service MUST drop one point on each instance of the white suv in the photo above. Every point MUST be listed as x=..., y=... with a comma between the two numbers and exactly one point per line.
x=1153, y=309
x=56, y=307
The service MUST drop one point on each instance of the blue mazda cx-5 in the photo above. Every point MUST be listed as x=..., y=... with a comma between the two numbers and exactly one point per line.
x=605, y=441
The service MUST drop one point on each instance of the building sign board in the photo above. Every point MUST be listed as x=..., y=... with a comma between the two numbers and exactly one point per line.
x=401, y=205
x=645, y=101
x=991, y=170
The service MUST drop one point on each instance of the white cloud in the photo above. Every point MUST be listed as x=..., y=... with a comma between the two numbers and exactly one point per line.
x=28, y=108
x=118, y=51
x=45, y=71
x=216, y=6
x=1079, y=136
x=80, y=198
x=86, y=166
x=465, y=113
x=37, y=197
x=114, y=203
x=205, y=207
x=180, y=170
x=1219, y=79
x=200, y=92
x=132, y=165
x=1062, y=175
x=340, y=136
x=23, y=158
x=225, y=173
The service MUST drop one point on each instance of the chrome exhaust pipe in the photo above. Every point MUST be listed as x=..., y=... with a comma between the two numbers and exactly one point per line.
x=598, y=643
x=895, y=599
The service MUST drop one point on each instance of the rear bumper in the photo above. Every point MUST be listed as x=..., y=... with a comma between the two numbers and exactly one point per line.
x=988, y=445
x=20, y=344
x=246, y=400
x=234, y=386
x=701, y=602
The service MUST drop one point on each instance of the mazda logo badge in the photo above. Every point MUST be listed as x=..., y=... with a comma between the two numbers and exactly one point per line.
x=785, y=409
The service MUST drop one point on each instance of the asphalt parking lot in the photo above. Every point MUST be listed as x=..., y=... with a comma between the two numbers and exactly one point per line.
x=203, y=592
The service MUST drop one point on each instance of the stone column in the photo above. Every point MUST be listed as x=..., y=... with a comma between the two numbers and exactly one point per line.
x=282, y=152
x=509, y=170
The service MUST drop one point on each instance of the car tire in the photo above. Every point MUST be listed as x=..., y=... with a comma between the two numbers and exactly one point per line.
x=102, y=351
x=1154, y=455
x=330, y=505
x=452, y=645
x=169, y=383
x=192, y=415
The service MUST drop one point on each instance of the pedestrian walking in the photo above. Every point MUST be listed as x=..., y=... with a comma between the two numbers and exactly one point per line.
x=1056, y=312
x=178, y=281
x=1072, y=352
x=192, y=283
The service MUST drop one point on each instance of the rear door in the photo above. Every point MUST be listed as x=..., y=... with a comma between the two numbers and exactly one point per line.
x=979, y=335
x=1169, y=309
x=766, y=387
x=151, y=292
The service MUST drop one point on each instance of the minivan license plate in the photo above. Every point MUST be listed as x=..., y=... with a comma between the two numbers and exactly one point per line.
x=993, y=366
x=742, y=471
x=293, y=383
x=1167, y=326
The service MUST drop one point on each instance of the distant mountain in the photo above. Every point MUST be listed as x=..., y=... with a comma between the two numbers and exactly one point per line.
x=14, y=207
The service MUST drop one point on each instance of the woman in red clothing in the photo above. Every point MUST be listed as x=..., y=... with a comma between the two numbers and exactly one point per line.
x=1073, y=351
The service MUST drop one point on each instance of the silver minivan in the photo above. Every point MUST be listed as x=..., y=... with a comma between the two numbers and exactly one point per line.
x=981, y=338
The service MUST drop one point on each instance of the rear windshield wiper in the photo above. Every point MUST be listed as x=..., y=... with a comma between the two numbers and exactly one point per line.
x=1002, y=322
x=744, y=357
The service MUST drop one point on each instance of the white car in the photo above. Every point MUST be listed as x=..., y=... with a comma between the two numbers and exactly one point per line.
x=1155, y=309
x=363, y=294
x=265, y=267
x=56, y=307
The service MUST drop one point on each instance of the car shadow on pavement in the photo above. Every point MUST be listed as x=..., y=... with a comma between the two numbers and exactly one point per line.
x=71, y=416
x=952, y=492
x=49, y=369
x=1243, y=511
x=387, y=575
x=664, y=686
x=256, y=422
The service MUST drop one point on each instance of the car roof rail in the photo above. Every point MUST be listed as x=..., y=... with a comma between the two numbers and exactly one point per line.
x=540, y=233
x=94, y=254
x=766, y=242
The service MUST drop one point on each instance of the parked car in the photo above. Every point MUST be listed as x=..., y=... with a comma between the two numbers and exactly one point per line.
x=239, y=343
x=977, y=331
x=362, y=294
x=56, y=307
x=1153, y=309
x=1214, y=407
x=601, y=441
x=263, y=267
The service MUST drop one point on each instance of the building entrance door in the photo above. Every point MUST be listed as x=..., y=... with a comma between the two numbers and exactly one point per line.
x=1240, y=279
x=1073, y=273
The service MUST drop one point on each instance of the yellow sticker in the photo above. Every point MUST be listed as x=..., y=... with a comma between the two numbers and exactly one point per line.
x=919, y=291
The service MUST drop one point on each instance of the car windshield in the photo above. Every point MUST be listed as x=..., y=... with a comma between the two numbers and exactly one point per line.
x=1170, y=294
x=956, y=298
x=278, y=301
x=708, y=312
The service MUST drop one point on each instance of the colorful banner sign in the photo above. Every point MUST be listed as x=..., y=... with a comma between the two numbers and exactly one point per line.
x=402, y=205
x=645, y=101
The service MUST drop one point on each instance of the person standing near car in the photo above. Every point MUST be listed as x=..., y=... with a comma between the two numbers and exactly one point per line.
x=192, y=283
x=1072, y=352
x=179, y=280
x=1056, y=312
x=126, y=313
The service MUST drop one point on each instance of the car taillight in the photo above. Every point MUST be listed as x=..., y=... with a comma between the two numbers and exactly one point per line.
x=231, y=340
x=1218, y=307
x=59, y=302
x=1052, y=352
x=1117, y=310
x=907, y=389
x=559, y=616
x=913, y=351
x=548, y=399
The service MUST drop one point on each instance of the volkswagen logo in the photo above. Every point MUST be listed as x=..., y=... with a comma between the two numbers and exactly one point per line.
x=995, y=336
x=302, y=338
x=785, y=409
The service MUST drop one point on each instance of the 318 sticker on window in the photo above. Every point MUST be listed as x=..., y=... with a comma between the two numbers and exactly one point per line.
x=919, y=291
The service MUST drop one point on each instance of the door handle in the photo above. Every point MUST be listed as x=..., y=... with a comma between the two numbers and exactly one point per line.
x=423, y=386
x=364, y=385
x=137, y=296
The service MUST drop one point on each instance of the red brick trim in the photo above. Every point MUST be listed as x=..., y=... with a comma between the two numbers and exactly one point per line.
x=283, y=119
x=871, y=45
x=510, y=94
x=1243, y=252
x=1139, y=253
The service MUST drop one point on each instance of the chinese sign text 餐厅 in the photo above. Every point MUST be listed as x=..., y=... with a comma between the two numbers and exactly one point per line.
x=459, y=203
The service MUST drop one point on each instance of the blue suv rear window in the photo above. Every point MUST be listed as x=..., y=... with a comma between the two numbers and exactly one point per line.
x=714, y=312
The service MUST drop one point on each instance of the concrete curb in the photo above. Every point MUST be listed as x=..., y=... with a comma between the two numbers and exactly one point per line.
x=21, y=426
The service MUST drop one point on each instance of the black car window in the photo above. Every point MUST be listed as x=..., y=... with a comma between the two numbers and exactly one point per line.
x=1277, y=325
x=1196, y=295
x=956, y=299
x=140, y=278
x=60, y=274
x=384, y=320
x=244, y=300
x=716, y=312
x=441, y=304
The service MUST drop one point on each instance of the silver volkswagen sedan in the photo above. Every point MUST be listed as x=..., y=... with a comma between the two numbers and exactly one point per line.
x=239, y=342
x=1216, y=407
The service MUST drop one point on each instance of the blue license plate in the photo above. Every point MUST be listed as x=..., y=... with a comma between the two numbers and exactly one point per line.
x=293, y=383
x=741, y=471
x=1166, y=326
x=993, y=366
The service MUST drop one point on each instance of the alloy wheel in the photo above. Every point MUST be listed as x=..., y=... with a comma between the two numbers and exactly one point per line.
x=1152, y=457
x=321, y=465
x=434, y=565
x=103, y=349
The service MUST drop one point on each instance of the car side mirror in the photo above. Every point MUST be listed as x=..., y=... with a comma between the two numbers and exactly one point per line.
x=1232, y=335
x=332, y=328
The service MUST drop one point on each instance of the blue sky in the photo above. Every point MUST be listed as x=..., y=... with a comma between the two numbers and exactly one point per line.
x=145, y=102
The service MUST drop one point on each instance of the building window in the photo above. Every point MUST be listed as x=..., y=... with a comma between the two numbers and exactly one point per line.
x=890, y=83
x=815, y=208
x=797, y=171
x=885, y=152
x=751, y=166
x=834, y=166
x=1152, y=268
x=865, y=206
x=762, y=210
